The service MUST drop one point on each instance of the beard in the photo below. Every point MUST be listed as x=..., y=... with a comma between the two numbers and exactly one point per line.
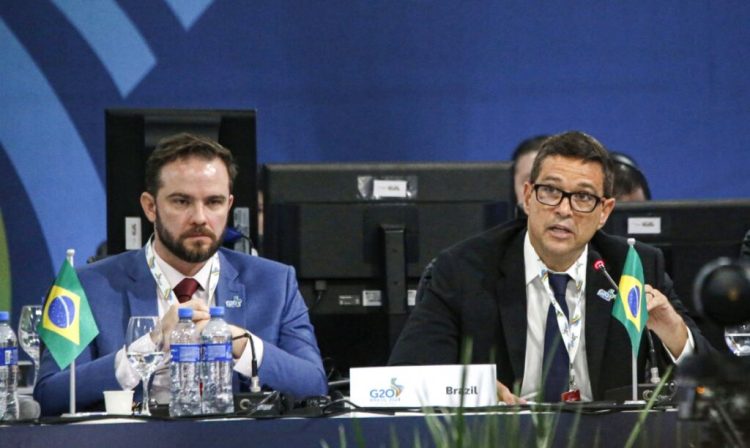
x=180, y=249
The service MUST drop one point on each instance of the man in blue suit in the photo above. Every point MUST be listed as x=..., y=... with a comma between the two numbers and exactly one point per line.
x=188, y=198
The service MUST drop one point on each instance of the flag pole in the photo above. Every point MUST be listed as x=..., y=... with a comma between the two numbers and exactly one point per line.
x=69, y=255
x=634, y=361
x=635, y=376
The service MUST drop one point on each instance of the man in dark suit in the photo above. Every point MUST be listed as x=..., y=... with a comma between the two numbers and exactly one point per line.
x=527, y=296
x=188, y=198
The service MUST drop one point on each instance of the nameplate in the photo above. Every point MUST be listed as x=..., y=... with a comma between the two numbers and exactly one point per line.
x=389, y=189
x=420, y=386
x=644, y=226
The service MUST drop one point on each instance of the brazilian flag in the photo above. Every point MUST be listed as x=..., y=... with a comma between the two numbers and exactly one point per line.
x=630, y=307
x=67, y=325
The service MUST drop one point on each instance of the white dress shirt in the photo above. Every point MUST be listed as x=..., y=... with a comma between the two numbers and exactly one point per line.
x=128, y=377
x=537, y=307
x=538, y=303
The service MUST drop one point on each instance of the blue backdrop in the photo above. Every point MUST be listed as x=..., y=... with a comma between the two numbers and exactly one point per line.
x=359, y=80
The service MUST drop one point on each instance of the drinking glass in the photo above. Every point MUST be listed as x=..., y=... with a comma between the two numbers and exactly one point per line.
x=738, y=339
x=28, y=334
x=144, y=349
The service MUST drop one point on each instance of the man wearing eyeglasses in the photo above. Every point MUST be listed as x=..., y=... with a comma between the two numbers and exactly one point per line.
x=527, y=296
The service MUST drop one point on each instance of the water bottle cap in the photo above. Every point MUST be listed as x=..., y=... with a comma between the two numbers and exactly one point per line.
x=4, y=316
x=217, y=311
x=185, y=313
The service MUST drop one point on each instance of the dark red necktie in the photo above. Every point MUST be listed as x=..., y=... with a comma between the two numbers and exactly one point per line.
x=185, y=289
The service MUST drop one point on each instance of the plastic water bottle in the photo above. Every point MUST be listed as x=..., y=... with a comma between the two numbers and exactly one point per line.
x=184, y=367
x=8, y=369
x=217, y=364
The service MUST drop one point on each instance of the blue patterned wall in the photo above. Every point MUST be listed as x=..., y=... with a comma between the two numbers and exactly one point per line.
x=361, y=80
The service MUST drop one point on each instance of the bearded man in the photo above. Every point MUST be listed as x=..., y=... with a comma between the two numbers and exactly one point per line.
x=188, y=198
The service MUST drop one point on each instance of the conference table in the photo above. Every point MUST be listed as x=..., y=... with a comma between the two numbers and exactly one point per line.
x=507, y=428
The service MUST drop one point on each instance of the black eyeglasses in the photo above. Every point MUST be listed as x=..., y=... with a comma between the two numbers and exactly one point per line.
x=580, y=201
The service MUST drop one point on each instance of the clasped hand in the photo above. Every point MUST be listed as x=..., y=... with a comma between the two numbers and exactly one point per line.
x=201, y=316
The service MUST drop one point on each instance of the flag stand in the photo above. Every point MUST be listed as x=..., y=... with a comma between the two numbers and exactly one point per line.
x=632, y=268
x=68, y=325
x=73, y=388
x=72, y=414
x=635, y=400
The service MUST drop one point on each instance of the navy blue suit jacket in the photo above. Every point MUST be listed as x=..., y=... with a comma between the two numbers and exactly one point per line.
x=122, y=286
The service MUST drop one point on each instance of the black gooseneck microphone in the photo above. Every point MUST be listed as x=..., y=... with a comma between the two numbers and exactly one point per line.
x=601, y=268
x=254, y=380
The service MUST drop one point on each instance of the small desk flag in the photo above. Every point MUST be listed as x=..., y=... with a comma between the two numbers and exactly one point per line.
x=67, y=325
x=630, y=307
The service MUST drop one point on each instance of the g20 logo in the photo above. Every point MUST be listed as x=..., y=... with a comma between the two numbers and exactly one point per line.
x=391, y=393
x=383, y=393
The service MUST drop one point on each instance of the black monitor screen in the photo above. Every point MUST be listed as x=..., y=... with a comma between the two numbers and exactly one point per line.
x=691, y=234
x=360, y=235
x=132, y=134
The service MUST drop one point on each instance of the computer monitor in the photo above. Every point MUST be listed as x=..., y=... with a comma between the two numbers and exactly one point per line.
x=131, y=136
x=360, y=235
x=690, y=233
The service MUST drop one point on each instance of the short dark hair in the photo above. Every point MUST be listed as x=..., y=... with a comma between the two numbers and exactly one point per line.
x=183, y=146
x=577, y=145
x=628, y=176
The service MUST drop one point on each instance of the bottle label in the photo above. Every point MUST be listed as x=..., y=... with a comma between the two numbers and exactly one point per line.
x=185, y=352
x=217, y=352
x=8, y=356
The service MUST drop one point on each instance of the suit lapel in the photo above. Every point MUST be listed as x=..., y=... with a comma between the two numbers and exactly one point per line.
x=511, y=302
x=230, y=293
x=142, y=293
x=598, y=312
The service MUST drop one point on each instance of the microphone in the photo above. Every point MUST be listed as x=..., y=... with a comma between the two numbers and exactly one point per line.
x=254, y=380
x=600, y=267
x=234, y=236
